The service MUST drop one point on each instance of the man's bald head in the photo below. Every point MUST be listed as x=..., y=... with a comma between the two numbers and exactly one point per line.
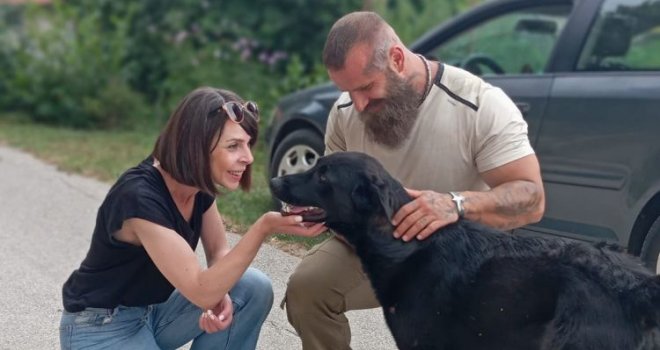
x=354, y=29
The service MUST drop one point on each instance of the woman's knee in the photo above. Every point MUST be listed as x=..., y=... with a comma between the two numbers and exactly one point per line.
x=254, y=288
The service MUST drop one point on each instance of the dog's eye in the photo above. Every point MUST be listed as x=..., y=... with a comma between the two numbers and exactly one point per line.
x=320, y=174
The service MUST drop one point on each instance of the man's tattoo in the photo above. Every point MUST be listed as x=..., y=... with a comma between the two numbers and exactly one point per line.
x=512, y=204
x=517, y=198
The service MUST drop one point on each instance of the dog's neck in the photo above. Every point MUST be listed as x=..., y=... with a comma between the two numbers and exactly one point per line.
x=400, y=198
x=383, y=258
x=378, y=231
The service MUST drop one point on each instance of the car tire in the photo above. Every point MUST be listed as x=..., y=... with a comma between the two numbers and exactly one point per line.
x=651, y=246
x=298, y=151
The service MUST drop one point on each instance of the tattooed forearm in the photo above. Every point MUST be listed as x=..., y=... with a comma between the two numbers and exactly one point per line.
x=516, y=198
x=507, y=206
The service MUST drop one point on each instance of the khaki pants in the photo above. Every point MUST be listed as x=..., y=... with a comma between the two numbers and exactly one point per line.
x=328, y=282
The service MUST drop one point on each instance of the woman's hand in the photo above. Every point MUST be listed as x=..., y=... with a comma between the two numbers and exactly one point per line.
x=218, y=318
x=274, y=222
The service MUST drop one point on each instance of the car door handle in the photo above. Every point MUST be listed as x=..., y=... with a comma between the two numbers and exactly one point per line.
x=524, y=107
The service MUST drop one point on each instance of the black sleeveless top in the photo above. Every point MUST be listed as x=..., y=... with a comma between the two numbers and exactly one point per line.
x=118, y=273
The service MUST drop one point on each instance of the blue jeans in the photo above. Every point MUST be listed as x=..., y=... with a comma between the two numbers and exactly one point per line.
x=171, y=324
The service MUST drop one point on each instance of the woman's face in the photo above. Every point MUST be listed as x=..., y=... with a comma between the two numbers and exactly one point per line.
x=231, y=156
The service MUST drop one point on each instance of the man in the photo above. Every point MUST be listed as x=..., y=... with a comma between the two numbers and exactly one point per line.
x=437, y=129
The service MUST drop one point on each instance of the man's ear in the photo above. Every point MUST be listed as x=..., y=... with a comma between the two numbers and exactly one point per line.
x=397, y=58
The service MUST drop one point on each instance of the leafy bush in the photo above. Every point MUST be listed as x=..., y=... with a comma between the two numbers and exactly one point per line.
x=9, y=20
x=264, y=31
x=298, y=76
x=413, y=18
x=117, y=63
x=116, y=106
x=64, y=67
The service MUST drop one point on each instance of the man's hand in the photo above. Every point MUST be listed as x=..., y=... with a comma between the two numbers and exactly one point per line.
x=219, y=318
x=427, y=212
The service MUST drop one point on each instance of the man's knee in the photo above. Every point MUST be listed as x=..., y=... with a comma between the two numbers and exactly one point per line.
x=306, y=287
x=320, y=281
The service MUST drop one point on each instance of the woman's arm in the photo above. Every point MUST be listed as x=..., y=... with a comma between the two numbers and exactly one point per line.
x=178, y=262
x=214, y=237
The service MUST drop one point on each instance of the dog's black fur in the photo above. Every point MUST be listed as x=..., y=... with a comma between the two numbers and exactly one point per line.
x=471, y=287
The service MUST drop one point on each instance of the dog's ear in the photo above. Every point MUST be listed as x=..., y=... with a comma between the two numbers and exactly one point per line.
x=363, y=197
x=382, y=190
x=370, y=194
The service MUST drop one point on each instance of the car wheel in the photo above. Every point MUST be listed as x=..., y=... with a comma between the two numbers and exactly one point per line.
x=651, y=246
x=298, y=151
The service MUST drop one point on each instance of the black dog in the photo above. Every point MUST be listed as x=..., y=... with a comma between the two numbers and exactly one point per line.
x=471, y=287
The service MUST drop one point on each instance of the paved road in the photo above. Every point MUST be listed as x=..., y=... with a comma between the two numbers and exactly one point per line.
x=46, y=220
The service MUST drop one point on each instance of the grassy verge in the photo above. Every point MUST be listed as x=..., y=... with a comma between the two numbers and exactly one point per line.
x=104, y=155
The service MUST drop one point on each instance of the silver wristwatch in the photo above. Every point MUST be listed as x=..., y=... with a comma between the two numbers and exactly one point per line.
x=458, y=200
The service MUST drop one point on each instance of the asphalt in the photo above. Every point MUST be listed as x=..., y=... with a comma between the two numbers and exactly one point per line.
x=46, y=220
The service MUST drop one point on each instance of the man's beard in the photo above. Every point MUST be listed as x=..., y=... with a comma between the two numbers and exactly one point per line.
x=391, y=125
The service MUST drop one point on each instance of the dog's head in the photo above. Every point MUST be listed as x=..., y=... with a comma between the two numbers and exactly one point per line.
x=345, y=189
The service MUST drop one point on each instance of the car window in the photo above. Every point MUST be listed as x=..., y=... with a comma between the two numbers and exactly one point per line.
x=518, y=42
x=625, y=36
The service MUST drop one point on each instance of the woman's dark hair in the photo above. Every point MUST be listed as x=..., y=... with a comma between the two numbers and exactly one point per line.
x=192, y=132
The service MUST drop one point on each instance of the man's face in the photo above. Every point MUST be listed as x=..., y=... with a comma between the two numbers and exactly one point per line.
x=387, y=103
x=391, y=118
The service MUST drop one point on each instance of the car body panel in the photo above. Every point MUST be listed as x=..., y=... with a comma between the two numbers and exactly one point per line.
x=591, y=145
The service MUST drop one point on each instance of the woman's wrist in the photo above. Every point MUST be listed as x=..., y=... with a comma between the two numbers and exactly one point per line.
x=261, y=228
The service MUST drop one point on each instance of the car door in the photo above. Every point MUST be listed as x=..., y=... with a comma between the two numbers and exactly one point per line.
x=510, y=47
x=598, y=145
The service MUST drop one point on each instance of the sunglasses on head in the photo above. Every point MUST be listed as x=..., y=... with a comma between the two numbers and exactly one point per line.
x=236, y=111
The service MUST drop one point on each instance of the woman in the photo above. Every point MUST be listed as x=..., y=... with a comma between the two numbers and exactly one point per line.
x=141, y=285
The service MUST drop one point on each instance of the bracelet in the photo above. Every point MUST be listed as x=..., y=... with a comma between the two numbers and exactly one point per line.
x=458, y=200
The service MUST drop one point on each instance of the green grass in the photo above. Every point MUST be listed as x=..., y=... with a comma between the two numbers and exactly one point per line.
x=104, y=155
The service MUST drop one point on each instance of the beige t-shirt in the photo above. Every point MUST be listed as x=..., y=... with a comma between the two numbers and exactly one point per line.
x=465, y=126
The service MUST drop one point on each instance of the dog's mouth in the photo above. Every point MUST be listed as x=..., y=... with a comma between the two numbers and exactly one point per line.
x=309, y=214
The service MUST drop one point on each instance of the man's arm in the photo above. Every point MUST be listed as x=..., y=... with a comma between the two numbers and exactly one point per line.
x=516, y=198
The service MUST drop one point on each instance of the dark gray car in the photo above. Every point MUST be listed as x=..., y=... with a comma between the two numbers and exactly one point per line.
x=585, y=74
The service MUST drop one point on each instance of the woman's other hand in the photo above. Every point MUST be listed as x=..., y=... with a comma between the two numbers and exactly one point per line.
x=218, y=318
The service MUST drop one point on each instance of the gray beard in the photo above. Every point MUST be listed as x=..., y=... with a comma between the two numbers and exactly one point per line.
x=392, y=124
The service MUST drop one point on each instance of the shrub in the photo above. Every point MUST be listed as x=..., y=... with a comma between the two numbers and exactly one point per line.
x=116, y=106
x=63, y=67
